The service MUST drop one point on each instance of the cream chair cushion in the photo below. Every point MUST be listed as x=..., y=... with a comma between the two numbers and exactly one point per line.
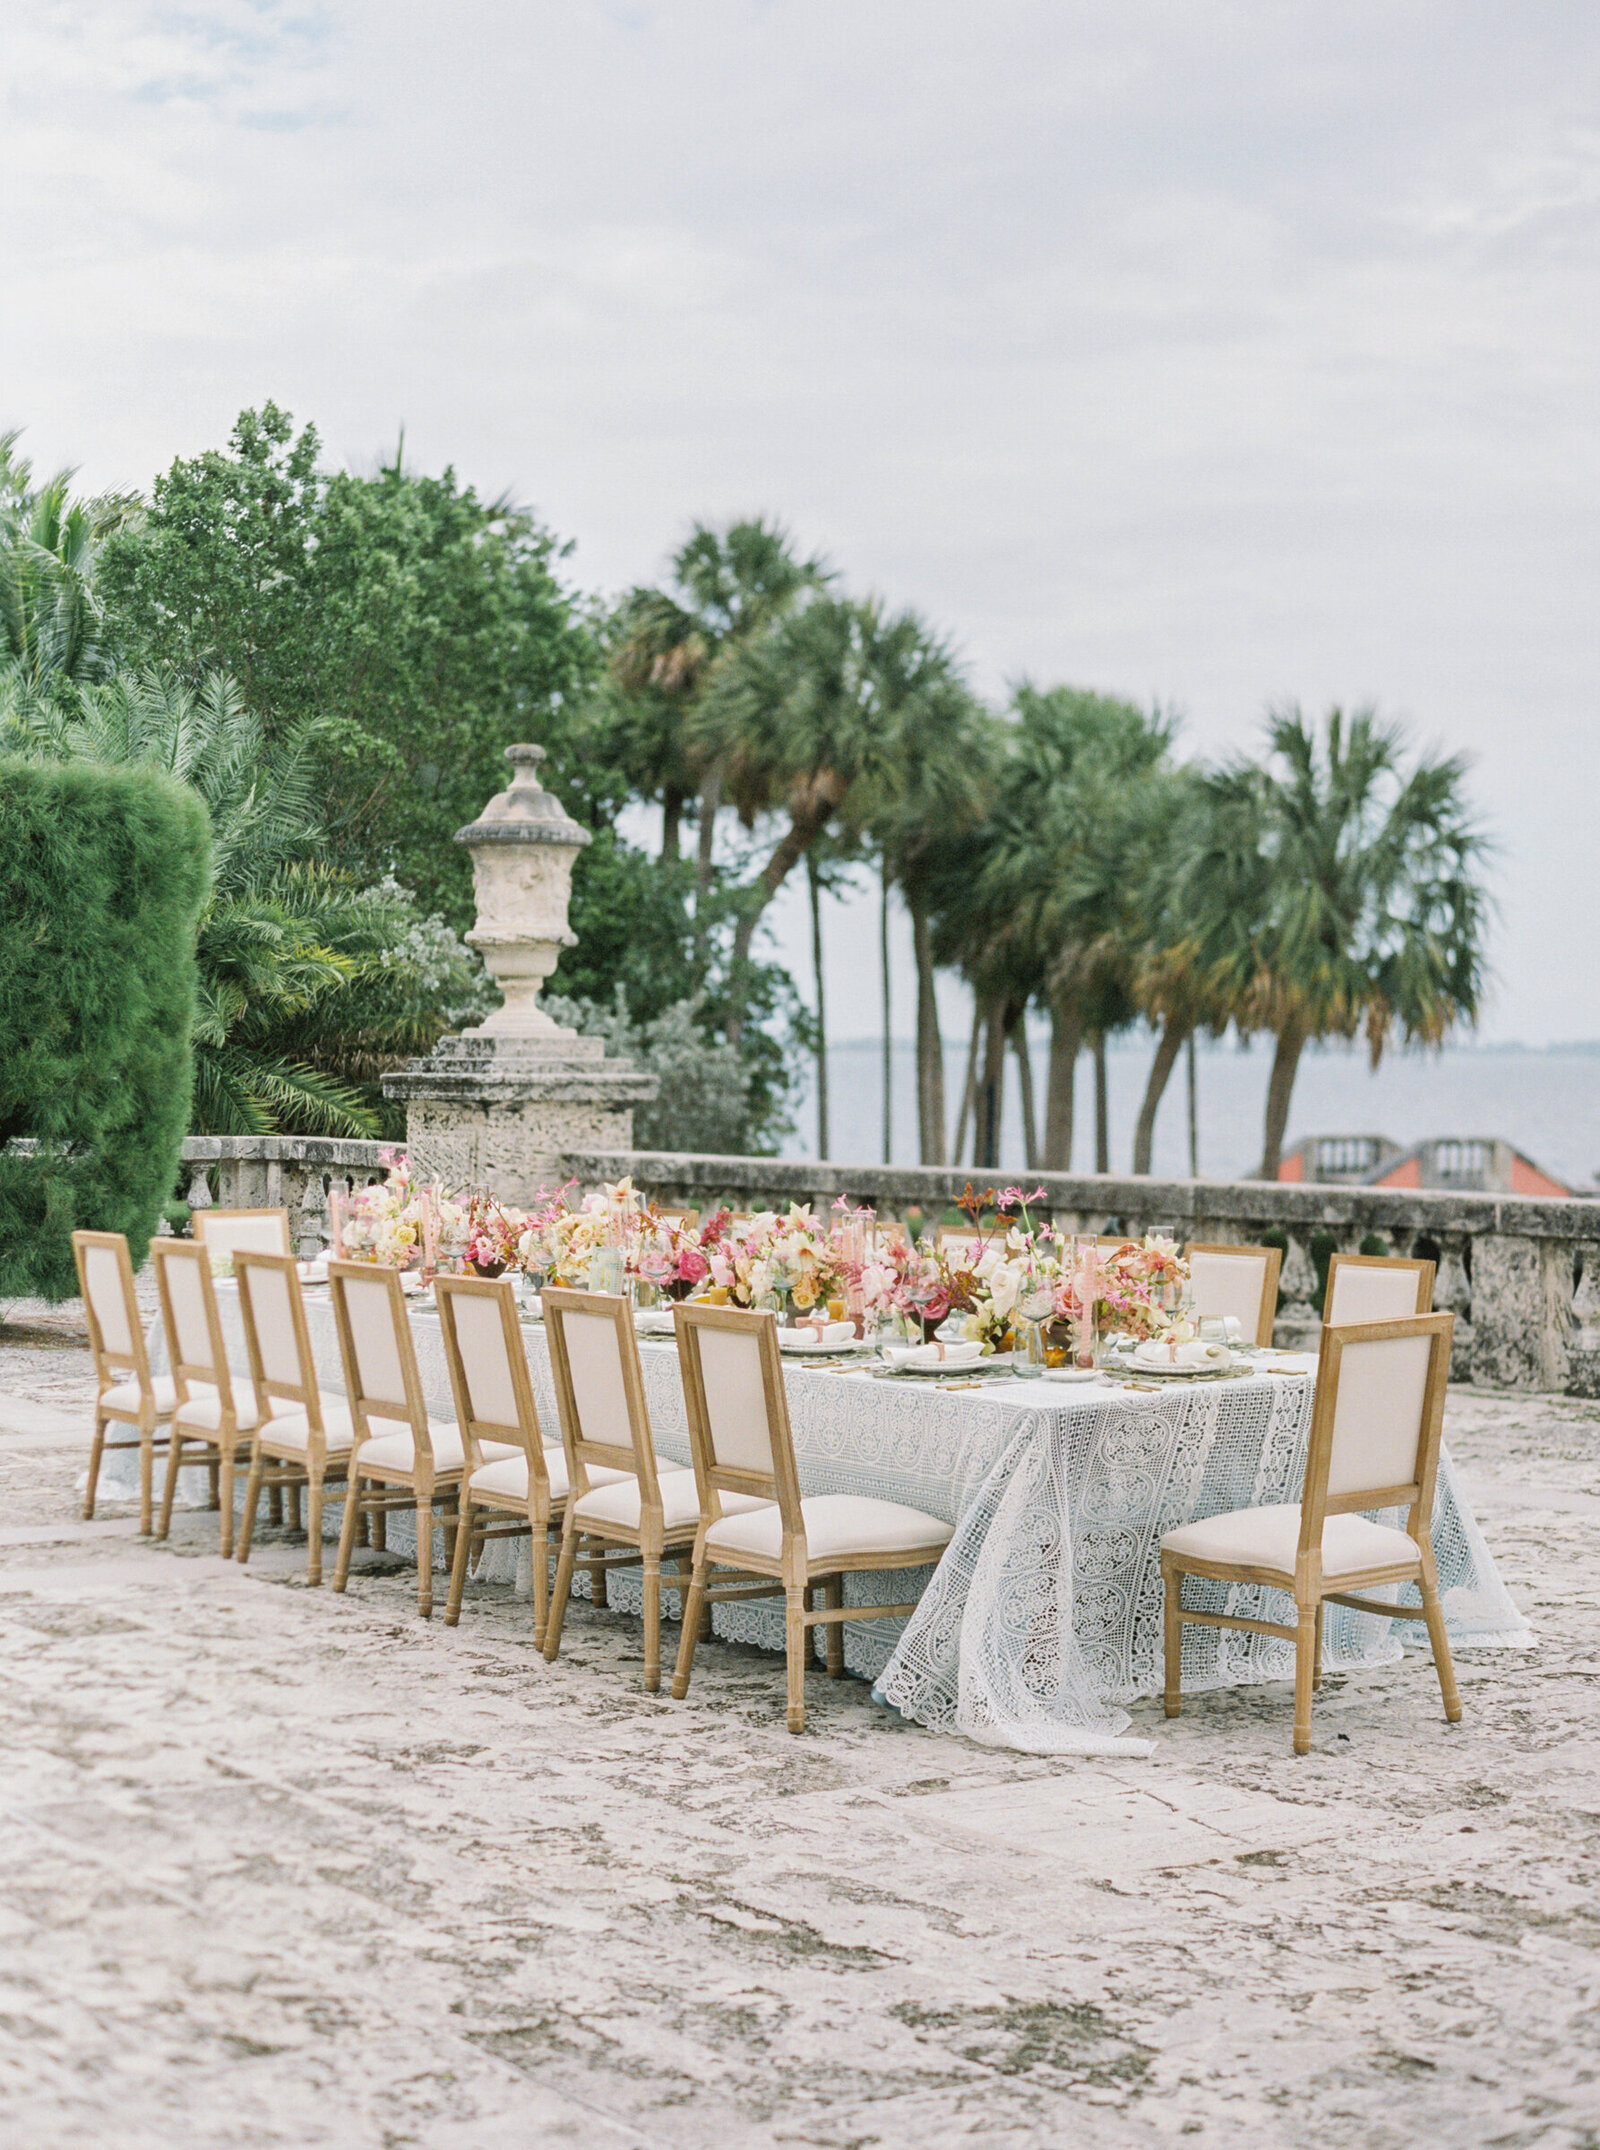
x=680, y=1501
x=202, y=1410
x=837, y=1525
x=509, y=1477
x=397, y=1451
x=290, y=1428
x=125, y=1396
x=1270, y=1538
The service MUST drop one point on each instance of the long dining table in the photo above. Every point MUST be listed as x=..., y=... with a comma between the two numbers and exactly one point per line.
x=1042, y=1620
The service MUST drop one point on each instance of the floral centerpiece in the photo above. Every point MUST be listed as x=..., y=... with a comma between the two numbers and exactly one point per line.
x=380, y=1223
x=492, y=1235
x=667, y=1253
x=786, y=1263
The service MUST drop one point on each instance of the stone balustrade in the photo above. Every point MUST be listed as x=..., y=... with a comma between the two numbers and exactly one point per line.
x=292, y=1172
x=1521, y=1274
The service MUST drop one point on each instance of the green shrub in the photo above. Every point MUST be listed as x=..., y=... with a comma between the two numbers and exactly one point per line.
x=102, y=876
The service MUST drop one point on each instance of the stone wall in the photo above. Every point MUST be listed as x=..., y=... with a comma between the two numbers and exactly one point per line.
x=292, y=1172
x=1521, y=1274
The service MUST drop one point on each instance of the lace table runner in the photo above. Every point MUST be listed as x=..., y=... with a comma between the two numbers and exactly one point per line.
x=1044, y=1616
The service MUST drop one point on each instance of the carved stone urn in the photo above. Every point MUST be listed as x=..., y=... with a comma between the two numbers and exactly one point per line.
x=522, y=846
x=499, y=1106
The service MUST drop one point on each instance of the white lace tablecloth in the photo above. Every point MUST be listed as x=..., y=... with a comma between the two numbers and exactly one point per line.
x=1044, y=1615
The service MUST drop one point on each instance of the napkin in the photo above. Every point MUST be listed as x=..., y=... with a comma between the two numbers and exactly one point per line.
x=826, y=1332
x=313, y=1272
x=935, y=1354
x=1157, y=1355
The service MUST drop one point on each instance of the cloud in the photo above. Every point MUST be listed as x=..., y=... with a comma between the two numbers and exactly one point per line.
x=1212, y=354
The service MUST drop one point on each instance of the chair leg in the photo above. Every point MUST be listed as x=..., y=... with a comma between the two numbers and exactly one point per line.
x=174, y=1461
x=1316, y=1670
x=833, y=1599
x=696, y=1606
x=539, y=1550
x=314, y=1530
x=652, y=1623
x=252, y=1501
x=347, y=1531
x=1172, y=1697
x=291, y=1506
x=558, y=1597
x=147, y=1470
x=599, y=1586
x=796, y=1639
x=1442, y=1663
x=275, y=1506
x=1305, y=1650
x=458, y=1563
x=96, y=1450
x=213, y=1472
x=379, y=1521
x=424, y=1558
x=225, y=1497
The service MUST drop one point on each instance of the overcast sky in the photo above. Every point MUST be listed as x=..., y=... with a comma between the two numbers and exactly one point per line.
x=1210, y=353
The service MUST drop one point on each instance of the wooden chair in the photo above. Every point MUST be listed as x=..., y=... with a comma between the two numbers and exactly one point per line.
x=212, y=1412
x=755, y=1521
x=956, y=1238
x=1237, y=1281
x=304, y=1436
x=651, y=1507
x=1375, y=1287
x=1375, y=1431
x=413, y=1459
x=230, y=1231
x=494, y=1403
x=685, y=1219
x=129, y=1394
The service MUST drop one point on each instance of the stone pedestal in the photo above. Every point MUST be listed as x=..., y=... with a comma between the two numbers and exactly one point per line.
x=499, y=1106
x=501, y=1113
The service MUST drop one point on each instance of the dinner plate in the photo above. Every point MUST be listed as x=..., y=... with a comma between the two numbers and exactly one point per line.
x=811, y=1349
x=961, y=1370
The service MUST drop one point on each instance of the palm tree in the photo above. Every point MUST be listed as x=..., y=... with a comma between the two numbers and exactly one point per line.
x=815, y=720
x=50, y=619
x=1343, y=895
x=667, y=646
x=1061, y=865
x=281, y=936
x=1170, y=983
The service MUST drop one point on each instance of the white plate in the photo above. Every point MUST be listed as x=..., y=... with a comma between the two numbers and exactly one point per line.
x=814, y=1350
x=962, y=1370
x=1072, y=1373
x=1136, y=1370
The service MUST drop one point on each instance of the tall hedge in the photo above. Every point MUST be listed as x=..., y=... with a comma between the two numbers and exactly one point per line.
x=102, y=876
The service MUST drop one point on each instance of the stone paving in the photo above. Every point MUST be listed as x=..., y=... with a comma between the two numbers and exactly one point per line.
x=286, y=1868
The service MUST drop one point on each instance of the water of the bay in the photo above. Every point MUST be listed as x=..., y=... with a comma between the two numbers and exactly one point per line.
x=1547, y=1103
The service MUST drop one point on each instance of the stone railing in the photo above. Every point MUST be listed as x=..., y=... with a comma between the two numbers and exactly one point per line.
x=1520, y=1274
x=292, y=1172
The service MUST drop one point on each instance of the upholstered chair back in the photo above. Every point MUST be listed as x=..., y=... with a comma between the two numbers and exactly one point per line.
x=1377, y=1420
x=488, y=1367
x=1364, y=1287
x=252, y=1231
x=1241, y=1282
x=107, y=1276
x=738, y=1412
x=599, y=1386
x=269, y=1297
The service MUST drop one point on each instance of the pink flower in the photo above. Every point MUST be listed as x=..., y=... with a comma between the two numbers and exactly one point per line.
x=692, y=1265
